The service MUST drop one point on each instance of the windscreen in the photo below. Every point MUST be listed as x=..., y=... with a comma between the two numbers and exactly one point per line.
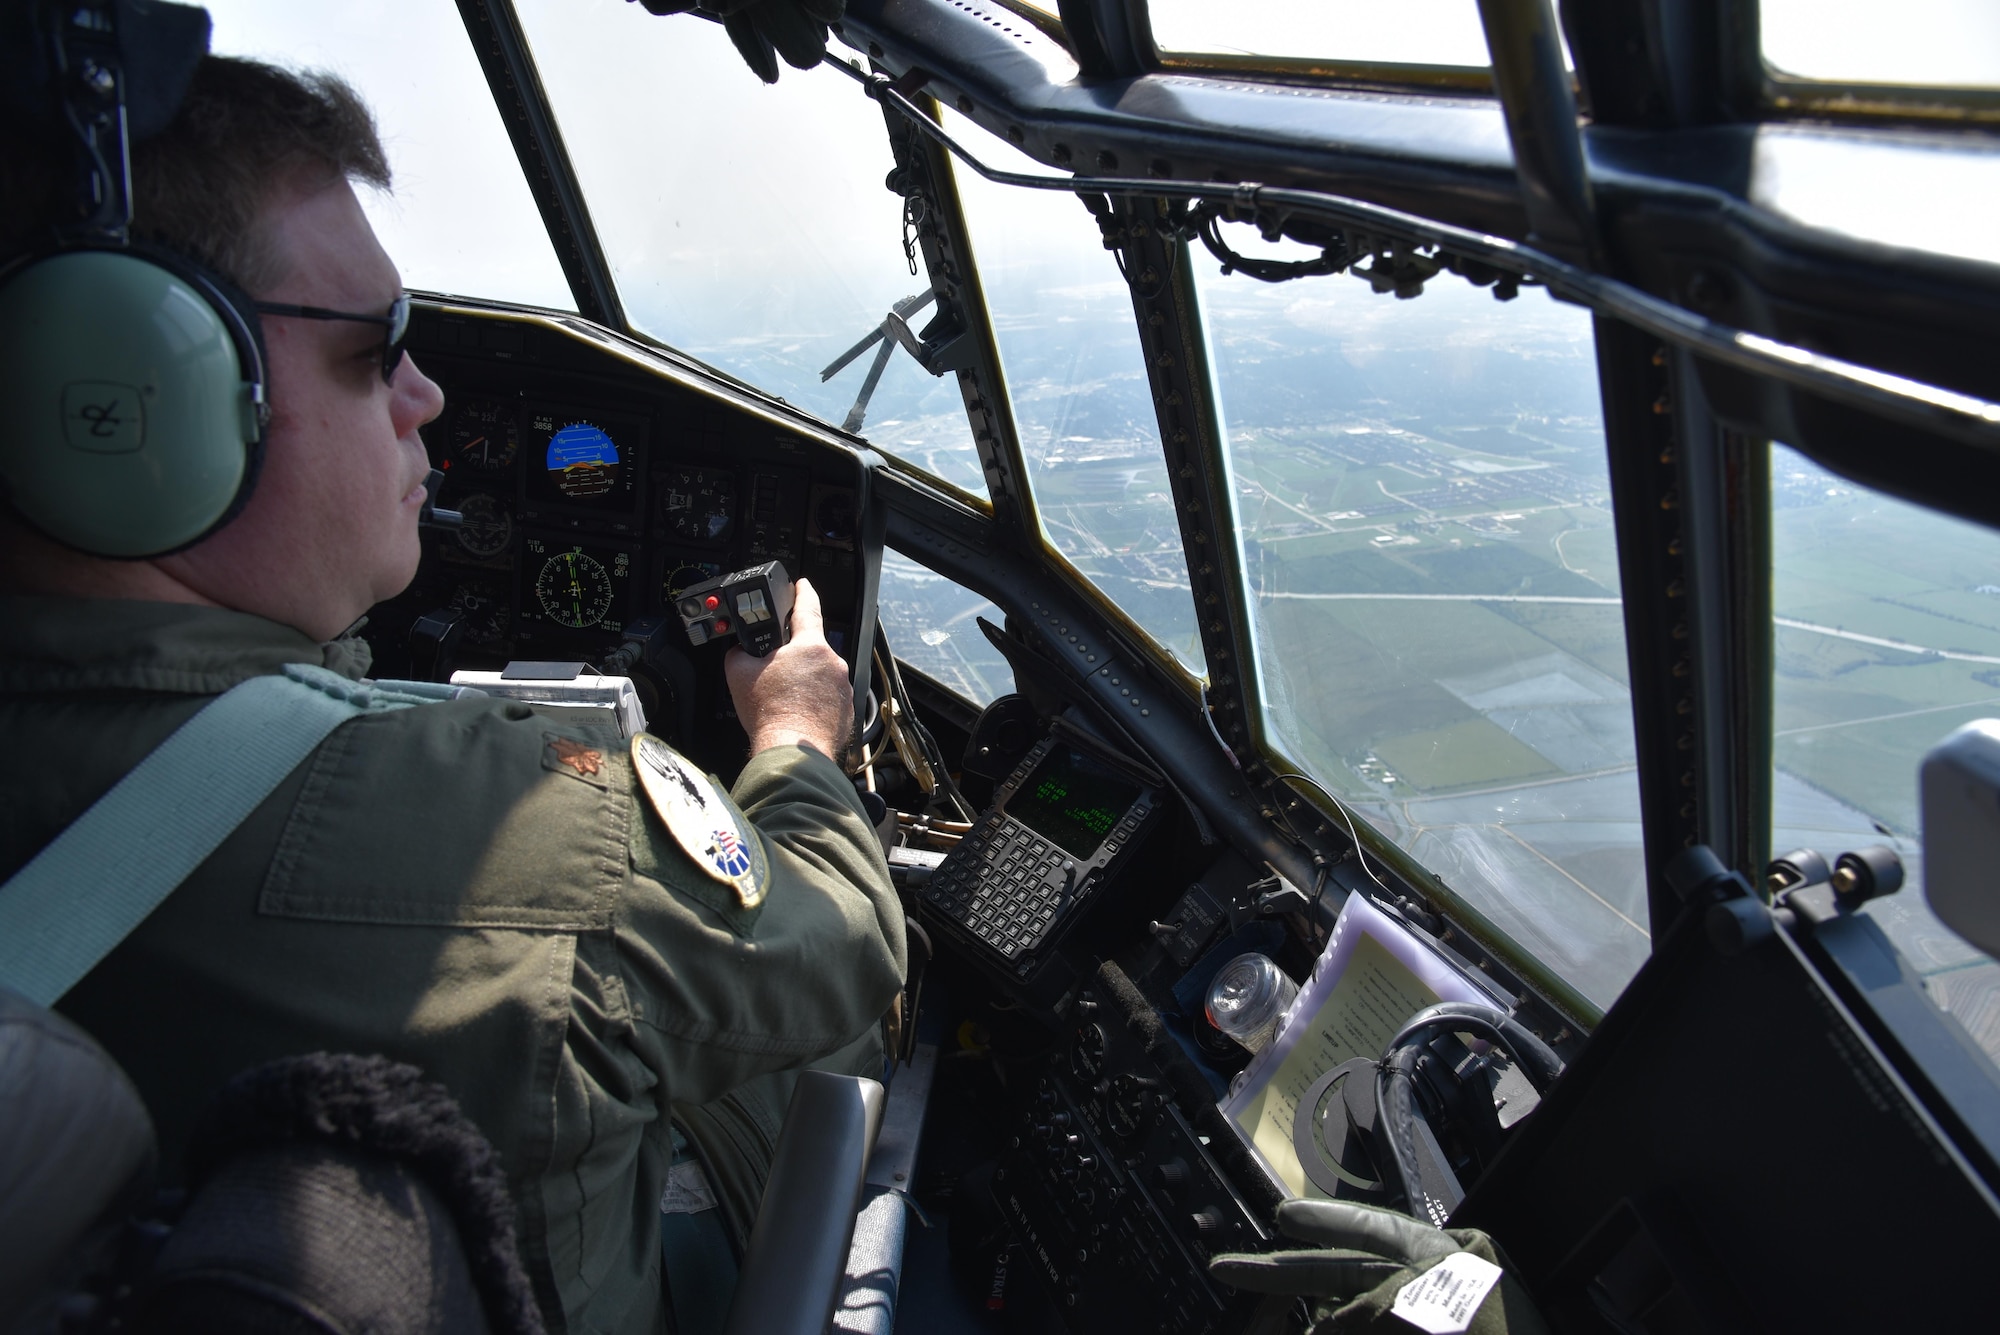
x=748, y=225
x=1950, y=43
x=1072, y=800
x=1886, y=638
x=1426, y=532
x=1412, y=32
x=1090, y=435
x=460, y=218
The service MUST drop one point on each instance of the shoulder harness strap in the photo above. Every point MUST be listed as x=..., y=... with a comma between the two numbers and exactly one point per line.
x=118, y=861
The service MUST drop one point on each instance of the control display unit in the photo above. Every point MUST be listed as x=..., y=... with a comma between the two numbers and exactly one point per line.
x=1045, y=848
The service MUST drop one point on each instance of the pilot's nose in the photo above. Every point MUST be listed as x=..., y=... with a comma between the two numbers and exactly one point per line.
x=417, y=397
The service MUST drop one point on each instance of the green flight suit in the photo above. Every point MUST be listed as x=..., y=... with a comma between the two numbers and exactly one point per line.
x=448, y=886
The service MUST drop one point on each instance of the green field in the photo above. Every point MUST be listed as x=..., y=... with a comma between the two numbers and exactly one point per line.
x=1467, y=754
x=1854, y=719
x=1594, y=634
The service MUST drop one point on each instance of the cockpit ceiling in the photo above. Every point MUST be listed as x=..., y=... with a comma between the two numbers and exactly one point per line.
x=1676, y=207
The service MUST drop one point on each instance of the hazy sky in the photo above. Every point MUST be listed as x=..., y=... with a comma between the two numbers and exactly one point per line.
x=1911, y=41
x=749, y=224
x=461, y=218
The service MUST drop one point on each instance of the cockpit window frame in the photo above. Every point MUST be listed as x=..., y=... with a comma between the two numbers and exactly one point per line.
x=1049, y=25
x=1788, y=97
x=500, y=42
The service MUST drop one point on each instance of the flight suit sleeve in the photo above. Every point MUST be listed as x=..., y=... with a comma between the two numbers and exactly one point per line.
x=720, y=992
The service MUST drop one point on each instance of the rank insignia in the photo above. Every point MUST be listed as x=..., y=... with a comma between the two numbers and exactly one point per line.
x=583, y=759
x=701, y=818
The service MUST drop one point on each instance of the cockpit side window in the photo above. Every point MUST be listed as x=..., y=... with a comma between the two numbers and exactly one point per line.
x=746, y=224
x=933, y=622
x=1062, y=317
x=1412, y=32
x=1886, y=639
x=460, y=219
x=1438, y=45
x=1426, y=536
x=1921, y=43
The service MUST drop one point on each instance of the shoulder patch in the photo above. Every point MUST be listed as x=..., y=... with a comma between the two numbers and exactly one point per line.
x=701, y=818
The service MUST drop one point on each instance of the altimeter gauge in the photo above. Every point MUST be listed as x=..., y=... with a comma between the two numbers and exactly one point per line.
x=699, y=504
x=574, y=589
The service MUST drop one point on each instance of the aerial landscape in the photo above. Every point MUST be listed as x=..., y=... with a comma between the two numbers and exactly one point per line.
x=1425, y=525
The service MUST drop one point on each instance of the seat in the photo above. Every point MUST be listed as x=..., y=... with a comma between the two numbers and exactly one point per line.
x=77, y=1161
x=76, y=1157
x=797, y=1258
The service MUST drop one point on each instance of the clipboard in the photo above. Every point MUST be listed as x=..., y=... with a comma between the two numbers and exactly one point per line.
x=1372, y=976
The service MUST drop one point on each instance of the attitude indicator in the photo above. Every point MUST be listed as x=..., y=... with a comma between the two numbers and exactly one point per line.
x=583, y=461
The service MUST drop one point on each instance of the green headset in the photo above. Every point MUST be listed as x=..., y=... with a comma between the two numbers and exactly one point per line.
x=134, y=380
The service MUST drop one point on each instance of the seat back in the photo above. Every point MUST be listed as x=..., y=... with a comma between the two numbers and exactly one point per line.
x=797, y=1257
x=76, y=1156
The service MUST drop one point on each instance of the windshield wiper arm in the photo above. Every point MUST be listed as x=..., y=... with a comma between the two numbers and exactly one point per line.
x=894, y=329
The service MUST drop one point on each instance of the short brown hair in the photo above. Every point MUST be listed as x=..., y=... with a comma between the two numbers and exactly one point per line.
x=245, y=133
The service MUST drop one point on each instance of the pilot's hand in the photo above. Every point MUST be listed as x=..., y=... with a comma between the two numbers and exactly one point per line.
x=1363, y=1259
x=797, y=693
x=763, y=30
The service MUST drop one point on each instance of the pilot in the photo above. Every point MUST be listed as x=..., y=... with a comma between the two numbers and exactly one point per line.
x=464, y=886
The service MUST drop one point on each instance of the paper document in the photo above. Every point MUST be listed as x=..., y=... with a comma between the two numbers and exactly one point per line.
x=1372, y=976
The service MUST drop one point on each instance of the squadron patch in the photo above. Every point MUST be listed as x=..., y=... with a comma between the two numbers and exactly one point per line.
x=701, y=818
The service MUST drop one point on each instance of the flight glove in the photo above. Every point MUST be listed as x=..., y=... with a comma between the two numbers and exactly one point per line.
x=1365, y=1259
x=763, y=30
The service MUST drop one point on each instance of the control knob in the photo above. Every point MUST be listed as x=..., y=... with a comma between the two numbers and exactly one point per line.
x=1082, y=1166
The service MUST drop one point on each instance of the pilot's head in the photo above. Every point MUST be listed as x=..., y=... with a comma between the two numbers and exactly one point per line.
x=253, y=181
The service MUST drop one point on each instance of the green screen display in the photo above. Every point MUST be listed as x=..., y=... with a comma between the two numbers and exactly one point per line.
x=1072, y=800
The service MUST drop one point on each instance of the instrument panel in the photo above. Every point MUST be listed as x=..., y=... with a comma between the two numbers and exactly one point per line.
x=593, y=491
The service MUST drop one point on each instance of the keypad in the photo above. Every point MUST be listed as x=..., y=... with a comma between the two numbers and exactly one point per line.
x=1004, y=885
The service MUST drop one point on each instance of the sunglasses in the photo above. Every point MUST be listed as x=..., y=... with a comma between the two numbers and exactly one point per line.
x=397, y=322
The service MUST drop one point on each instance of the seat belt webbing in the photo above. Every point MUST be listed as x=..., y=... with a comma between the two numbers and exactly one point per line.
x=118, y=861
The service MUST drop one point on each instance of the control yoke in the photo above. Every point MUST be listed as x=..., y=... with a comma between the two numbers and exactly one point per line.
x=754, y=605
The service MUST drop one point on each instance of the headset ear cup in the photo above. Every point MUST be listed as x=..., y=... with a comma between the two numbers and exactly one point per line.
x=136, y=387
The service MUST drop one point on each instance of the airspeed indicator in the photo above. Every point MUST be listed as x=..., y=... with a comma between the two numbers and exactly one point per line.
x=482, y=435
